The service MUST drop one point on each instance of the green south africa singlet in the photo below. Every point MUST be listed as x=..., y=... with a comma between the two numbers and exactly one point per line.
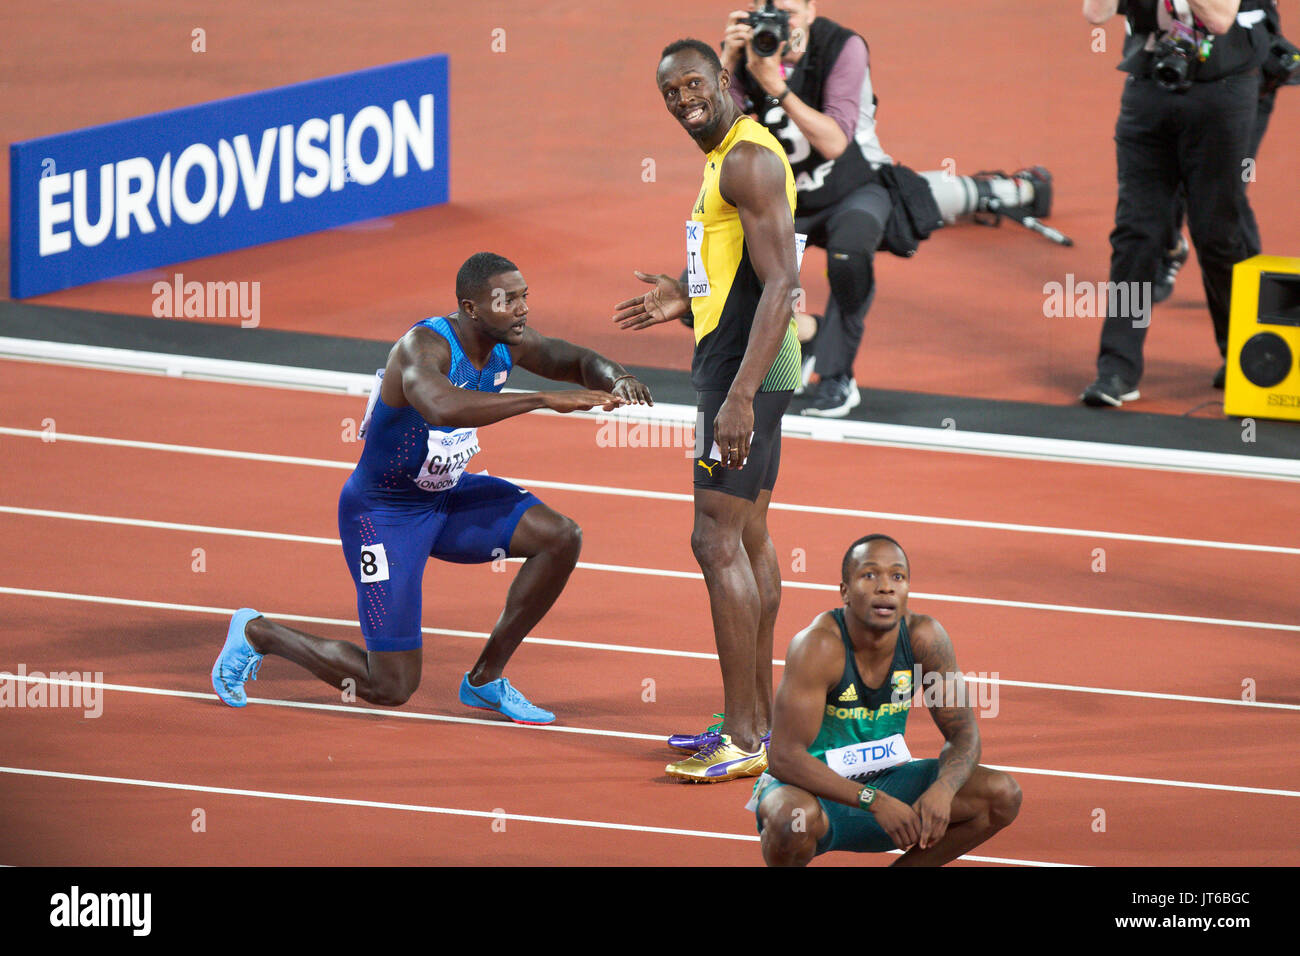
x=857, y=713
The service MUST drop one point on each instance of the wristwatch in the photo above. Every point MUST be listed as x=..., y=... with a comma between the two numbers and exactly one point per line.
x=866, y=797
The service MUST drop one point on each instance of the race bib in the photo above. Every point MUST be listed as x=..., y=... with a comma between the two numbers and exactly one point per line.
x=697, y=280
x=449, y=453
x=374, y=563
x=863, y=760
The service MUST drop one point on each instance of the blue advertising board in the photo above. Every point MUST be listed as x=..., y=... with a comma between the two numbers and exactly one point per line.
x=200, y=180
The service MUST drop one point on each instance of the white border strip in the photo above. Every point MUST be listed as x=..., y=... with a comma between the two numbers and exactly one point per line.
x=795, y=426
x=185, y=366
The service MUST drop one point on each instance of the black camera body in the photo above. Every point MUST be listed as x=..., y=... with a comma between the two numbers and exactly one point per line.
x=1173, y=60
x=771, y=29
x=1282, y=67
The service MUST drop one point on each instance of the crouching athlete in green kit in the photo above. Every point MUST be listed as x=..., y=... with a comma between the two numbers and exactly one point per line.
x=839, y=773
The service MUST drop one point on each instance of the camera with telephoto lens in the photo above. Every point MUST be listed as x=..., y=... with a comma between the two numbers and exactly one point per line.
x=1172, y=61
x=771, y=29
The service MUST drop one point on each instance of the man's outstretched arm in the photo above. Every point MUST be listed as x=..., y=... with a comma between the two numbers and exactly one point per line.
x=423, y=360
x=563, y=361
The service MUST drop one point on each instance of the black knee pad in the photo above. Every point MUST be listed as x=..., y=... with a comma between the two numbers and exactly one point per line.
x=851, y=278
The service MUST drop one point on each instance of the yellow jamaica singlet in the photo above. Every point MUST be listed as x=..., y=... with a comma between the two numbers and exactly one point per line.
x=721, y=281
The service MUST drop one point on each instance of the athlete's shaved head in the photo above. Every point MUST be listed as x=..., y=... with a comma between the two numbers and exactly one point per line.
x=699, y=46
x=477, y=270
x=846, y=566
x=694, y=87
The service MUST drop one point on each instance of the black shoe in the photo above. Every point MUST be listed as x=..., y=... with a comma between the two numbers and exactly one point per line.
x=833, y=397
x=1109, y=390
x=1221, y=377
x=1170, y=263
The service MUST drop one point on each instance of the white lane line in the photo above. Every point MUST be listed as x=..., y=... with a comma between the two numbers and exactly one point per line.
x=592, y=645
x=440, y=718
x=983, y=601
x=675, y=496
x=181, y=449
x=1079, y=775
x=669, y=573
x=378, y=804
x=403, y=714
x=446, y=811
x=167, y=525
x=344, y=622
x=1151, y=695
x=919, y=519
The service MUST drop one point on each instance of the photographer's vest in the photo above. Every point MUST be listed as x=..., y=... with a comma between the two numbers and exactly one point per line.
x=818, y=180
x=1241, y=48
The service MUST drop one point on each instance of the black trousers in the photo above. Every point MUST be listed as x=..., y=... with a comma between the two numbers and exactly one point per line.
x=1263, y=113
x=1163, y=140
x=850, y=231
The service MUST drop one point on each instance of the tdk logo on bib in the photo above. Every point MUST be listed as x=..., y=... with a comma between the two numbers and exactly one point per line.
x=204, y=179
x=869, y=757
x=868, y=752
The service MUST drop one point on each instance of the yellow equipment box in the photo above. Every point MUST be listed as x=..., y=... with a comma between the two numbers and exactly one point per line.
x=1263, y=377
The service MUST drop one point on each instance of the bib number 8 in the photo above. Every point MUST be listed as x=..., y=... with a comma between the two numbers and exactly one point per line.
x=374, y=564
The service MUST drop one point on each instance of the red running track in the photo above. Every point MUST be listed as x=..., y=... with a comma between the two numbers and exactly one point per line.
x=412, y=768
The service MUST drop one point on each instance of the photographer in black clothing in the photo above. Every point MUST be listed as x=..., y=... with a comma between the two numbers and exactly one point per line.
x=1281, y=68
x=1187, y=116
x=808, y=80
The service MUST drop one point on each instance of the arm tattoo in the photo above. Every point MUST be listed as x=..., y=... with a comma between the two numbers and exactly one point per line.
x=953, y=713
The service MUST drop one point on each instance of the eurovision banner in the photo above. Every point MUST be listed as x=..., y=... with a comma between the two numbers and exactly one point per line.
x=192, y=182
